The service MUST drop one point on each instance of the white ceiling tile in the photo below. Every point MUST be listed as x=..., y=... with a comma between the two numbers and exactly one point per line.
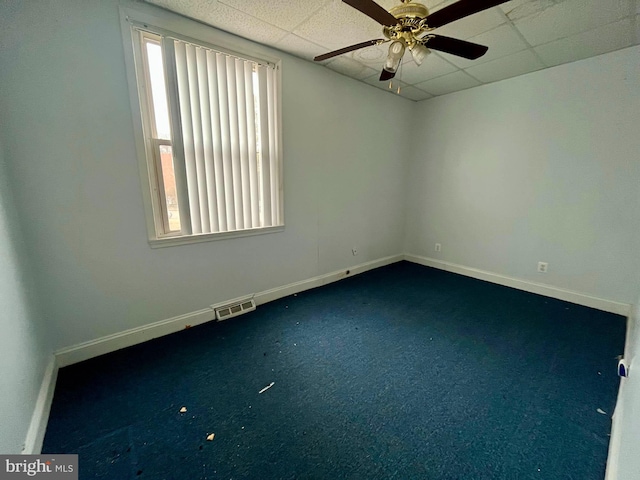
x=518, y=9
x=387, y=4
x=373, y=56
x=406, y=91
x=189, y=8
x=448, y=83
x=337, y=25
x=351, y=68
x=409, y=72
x=299, y=47
x=501, y=41
x=438, y=4
x=432, y=5
x=225, y=18
x=413, y=93
x=473, y=25
x=435, y=5
x=432, y=67
x=506, y=67
x=407, y=58
x=588, y=44
x=570, y=17
x=561, y=30
x=375, y=81
x=284, y=14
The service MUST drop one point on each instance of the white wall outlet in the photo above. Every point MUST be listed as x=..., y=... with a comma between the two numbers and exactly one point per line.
x=438, y=247
x=354, y=251
x=542, y=267
x=623, y=368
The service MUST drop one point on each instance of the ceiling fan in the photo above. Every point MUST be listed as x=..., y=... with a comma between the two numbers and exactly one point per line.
x=408, y=26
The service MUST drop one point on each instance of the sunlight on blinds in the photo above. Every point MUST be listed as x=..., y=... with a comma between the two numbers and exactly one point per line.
x=229, y=125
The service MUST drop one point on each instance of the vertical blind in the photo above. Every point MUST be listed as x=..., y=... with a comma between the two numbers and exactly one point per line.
x=229, y=133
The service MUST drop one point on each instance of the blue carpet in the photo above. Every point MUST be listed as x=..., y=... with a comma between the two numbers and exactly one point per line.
x=404, y=372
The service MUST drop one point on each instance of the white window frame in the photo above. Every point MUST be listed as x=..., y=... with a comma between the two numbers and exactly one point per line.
x=145, y=18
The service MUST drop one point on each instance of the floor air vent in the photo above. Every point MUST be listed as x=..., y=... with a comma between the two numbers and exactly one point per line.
x=235, y=308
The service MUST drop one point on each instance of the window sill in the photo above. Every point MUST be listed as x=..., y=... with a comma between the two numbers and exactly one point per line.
x=210, y=237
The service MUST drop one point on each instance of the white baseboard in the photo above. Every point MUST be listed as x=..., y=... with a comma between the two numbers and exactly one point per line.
x=624, y=309
x=615, y=441
x=111, y=343
x=117, y=341
x=128, y=338
x=532, y=287
x=619, y=422
x=40, y=417
x=297, y=287
x=133, y=336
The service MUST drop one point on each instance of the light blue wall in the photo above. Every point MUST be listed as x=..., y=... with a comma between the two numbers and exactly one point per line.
x=24, y=350
x=624, y=460
x=542, y=167
x=72, y=151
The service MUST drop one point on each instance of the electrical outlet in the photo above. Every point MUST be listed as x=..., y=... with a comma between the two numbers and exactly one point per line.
x=438, y=247
x=354, y=250
x=542, y=267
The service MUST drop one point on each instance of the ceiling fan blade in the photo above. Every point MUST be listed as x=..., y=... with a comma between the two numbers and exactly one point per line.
x=454, y=46
x=458, y=10
x=373, y=10
x=386, y=75
x=351, y=48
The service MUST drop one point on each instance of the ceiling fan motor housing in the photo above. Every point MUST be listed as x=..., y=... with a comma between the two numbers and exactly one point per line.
x=407, y=26
x=409, y=10
x=411, y=23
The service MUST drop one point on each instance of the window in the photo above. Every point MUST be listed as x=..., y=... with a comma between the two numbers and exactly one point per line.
x=211, y=125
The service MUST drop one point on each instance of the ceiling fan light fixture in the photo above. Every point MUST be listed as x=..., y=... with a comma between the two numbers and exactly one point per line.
x=419, y=52
x=408, y=25
x=396, y=52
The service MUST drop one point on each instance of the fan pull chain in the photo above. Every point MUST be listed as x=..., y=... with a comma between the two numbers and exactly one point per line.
x=391, y=87
x=397, y=77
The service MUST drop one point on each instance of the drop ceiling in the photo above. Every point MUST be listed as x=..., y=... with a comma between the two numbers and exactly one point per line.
x=522, y=35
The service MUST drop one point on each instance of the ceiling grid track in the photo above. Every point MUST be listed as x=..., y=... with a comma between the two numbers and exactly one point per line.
x=523, y=36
